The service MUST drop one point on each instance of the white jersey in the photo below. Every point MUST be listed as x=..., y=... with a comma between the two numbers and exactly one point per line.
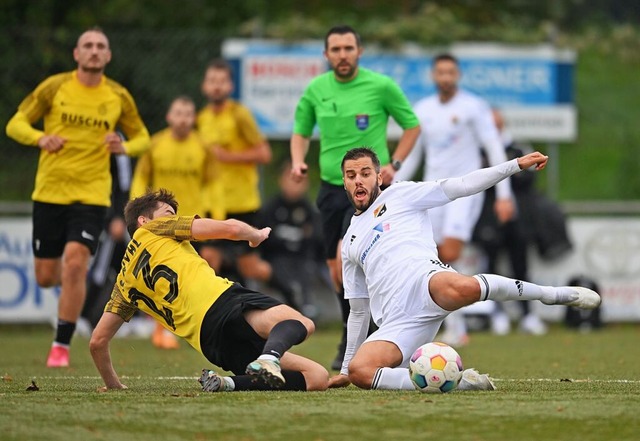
x=386, y=248
x=451, y=139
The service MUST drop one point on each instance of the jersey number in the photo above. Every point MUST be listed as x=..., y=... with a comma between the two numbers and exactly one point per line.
x=150, y=276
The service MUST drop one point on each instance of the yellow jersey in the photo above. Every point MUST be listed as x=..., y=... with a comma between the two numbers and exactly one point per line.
x=82, y=115
x=181, y=166
x=234, y=129
x=163, y=276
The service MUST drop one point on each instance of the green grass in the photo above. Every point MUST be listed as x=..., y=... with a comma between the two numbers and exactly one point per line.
x=164, y=401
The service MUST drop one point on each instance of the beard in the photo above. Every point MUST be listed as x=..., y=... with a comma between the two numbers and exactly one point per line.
x=345, y=76
x=92, y=69
x=217, y=100
x=364, y=206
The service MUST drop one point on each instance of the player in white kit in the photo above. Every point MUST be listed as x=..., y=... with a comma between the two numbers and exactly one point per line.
x=392, y=273
x=456, y=125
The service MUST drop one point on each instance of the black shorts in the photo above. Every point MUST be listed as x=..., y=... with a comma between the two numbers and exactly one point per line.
x=54, y=225
x=226, y=339
x=336, y=212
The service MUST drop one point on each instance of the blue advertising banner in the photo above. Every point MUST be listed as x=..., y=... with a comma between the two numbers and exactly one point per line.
x=533, y=85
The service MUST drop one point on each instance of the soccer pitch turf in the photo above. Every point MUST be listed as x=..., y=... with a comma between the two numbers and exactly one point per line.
x=561, y=386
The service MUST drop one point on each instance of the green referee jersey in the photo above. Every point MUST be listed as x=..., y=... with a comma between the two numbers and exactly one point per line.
x=351, y=114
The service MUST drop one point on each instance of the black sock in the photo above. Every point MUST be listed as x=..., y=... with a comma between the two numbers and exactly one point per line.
x=284, y=335
x=294, y=380
x=64, y=332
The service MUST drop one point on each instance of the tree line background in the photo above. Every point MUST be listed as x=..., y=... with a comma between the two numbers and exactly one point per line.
x=160, y=48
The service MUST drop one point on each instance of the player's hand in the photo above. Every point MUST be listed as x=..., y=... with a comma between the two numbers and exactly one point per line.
x=51, y=143
x=387, y=173
x=339, y=381
x=222, y=154
x=117, y=228
x=299, y=171
x=505, y=209
x=106, y=389
x=113, y=141
x=536, y=159
x=260, y=236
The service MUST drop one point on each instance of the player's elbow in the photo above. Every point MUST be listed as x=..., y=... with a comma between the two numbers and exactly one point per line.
x=317, y=379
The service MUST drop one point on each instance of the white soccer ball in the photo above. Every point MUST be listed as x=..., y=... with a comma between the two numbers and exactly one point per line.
x=435, y=368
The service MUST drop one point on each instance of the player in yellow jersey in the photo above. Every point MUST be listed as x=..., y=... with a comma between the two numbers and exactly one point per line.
x=231, y=132
x=178, y=161
x=81, y=110
x=240, y=330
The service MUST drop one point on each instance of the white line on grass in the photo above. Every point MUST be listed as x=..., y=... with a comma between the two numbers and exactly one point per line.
x=511, y=380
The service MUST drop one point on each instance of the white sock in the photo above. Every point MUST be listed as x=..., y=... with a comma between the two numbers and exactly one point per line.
x=501, y=288
x=268, y=357
x=392, y=379
x=229, y=384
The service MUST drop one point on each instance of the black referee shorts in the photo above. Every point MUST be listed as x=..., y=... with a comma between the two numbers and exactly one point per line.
x=336, y=212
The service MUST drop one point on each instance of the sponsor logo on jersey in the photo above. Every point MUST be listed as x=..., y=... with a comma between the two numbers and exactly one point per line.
x=353, y=237
x=362, y=122
x=380, y=210
x=382, y=227
x=366, y=252
x=73, y=119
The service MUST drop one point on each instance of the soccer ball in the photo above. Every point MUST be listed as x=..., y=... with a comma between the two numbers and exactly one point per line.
x=435, y=368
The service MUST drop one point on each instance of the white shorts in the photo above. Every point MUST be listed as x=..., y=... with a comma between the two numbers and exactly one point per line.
x=410, y=328
x=456, y=219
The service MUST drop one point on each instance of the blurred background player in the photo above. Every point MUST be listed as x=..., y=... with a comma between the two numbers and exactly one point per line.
x=456, y=124
x=113, y=240
x=238, y=148
x=512, y=237
x=351, y=106
x=81, y=110
x=179, y=162
x=295, y=236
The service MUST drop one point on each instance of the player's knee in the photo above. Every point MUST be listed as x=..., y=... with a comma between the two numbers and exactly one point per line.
x=361, y=375
x=308, y=323
x=47, y=279
x=464, y=289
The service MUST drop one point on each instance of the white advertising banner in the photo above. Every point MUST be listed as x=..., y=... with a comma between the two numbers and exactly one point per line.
x=21, y=299
x=606, y=249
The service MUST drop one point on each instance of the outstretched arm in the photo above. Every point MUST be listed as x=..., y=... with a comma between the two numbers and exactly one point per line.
x=480, y=180
x=99, y=347
x=357, y=328
x=231, y=229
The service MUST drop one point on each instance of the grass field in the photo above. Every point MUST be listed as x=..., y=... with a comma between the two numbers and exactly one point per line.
x=561, y=386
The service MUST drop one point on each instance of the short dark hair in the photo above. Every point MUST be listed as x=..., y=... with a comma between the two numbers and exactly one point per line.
x=444, y=57
x=341, y=30
x=186, y=99
x=361, y=152
x=221, y=64
x=145, y=205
